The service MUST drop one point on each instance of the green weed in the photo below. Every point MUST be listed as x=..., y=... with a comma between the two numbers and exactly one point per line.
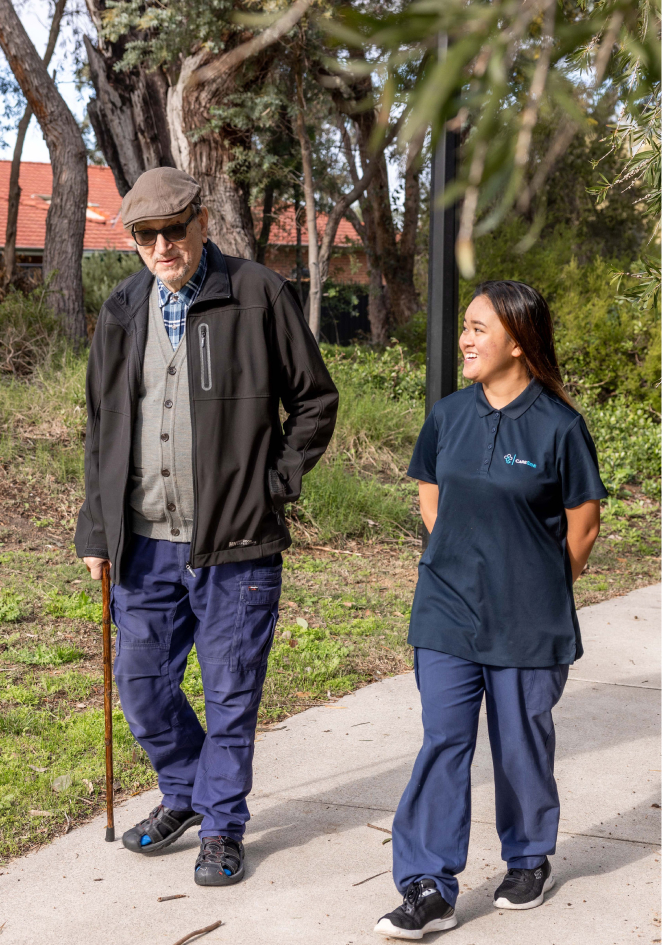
x=10, y=606
x=78, y=605
x=43, y=655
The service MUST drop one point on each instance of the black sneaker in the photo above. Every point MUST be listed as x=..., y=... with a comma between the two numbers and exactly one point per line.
x=159, y=830
x=220, y=862
x=524, y=889
x=423, y=910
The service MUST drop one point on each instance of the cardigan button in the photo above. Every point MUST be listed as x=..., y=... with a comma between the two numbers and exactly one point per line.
x=174, y=531
x=171, y=506
x=172, y=370
x=165, y=472
x=167, y=403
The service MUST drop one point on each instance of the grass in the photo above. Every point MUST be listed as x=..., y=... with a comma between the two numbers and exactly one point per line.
x=348, y=582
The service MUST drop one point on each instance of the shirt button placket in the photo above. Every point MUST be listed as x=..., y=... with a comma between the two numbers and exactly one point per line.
x=489, y=449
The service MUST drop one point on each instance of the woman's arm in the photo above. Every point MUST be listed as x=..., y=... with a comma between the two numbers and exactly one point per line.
x=583, y=529
x=428, y=494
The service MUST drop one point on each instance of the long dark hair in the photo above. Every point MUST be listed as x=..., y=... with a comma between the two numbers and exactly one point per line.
x=525, y=315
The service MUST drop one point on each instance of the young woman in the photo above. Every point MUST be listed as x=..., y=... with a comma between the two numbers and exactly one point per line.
x=510, y=493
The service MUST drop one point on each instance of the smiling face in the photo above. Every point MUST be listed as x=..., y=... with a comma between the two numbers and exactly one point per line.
x=489, y=352
x=175, y=262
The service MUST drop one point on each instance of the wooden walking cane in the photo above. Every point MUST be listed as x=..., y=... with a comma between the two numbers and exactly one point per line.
x=108, y=700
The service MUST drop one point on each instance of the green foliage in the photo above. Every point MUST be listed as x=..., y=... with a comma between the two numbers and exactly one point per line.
x=78, y=605
x=604, y=345
x=628, y=443
x=43, y=655
x=10, y=606
x=389, y=371
x=505, y=64
x=102, y=272
x=29, y=332
x=341, y=501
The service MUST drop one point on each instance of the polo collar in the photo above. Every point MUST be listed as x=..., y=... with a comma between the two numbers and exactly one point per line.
x=516, y=407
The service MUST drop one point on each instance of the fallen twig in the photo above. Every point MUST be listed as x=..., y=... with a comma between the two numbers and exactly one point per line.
x=383, y=829
x=335, y=551
x=166, y=898
x=209, y=928
x=356, y=884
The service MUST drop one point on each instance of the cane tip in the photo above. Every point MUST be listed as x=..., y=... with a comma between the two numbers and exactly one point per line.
x=110, y=834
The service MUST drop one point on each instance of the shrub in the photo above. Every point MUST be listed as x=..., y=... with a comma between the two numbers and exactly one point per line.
x=627, y=439
x=101, y=273
x=29, y=332
x=390, y=370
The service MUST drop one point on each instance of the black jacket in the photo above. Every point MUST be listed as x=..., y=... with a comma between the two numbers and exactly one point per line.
x=248, y=348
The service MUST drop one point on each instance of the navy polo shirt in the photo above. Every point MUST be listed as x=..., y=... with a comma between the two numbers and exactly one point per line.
x=495, y=583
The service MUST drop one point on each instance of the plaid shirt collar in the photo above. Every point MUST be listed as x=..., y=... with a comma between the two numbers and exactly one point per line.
x=175, y=305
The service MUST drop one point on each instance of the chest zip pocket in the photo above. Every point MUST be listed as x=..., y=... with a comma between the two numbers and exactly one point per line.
x=205, y=357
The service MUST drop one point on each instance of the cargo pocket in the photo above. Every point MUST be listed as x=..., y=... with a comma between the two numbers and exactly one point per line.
x=544, y=687
x=143, y=684
x=257, y=614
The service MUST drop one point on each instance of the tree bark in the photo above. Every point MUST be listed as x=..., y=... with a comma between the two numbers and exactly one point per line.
x=14, y=186
x=9, y=255
x=145, y=119
x=314, y=305
x=65, y=221
x=392, y=256
x=208, y=159
x=267, y=219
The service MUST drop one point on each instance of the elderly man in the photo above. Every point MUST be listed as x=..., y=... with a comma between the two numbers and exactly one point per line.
x=187, y=470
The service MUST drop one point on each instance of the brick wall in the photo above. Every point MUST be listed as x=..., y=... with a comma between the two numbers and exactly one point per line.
x=349, y=265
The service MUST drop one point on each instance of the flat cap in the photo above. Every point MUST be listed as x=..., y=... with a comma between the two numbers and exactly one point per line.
x=157, y=194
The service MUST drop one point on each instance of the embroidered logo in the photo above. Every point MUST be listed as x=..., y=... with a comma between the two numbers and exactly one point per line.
x=538, y=874
x=243, y=543
x=512, y=460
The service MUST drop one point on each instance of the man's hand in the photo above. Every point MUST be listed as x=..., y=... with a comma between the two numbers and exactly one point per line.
x=95, y=567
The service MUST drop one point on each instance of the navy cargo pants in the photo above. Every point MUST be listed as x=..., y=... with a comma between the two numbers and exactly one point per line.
x=432, y=822
x=229, y=611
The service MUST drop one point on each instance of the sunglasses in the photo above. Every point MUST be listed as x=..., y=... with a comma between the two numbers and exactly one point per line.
x=174, y=233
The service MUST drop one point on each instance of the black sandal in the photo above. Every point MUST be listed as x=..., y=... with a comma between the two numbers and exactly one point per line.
x=159, y=830
x=220, y=862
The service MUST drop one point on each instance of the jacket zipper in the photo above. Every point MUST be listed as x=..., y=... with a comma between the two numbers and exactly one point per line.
x=194, y=464
x=205, y=357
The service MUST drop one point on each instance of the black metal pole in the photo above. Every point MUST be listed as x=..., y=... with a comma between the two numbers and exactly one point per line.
x=443, y=289
x=443, y=278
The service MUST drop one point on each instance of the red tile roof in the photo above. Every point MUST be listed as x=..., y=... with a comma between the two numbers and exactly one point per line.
x=103, y=229
x=283, y=228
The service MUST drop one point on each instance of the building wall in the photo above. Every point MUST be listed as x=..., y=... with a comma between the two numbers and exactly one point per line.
x=345, y=266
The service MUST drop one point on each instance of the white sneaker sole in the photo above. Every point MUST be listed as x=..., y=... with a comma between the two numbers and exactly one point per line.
x=386, y=927
x=503, y=903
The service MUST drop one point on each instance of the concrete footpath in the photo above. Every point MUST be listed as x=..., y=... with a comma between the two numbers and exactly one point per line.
x=331, y=771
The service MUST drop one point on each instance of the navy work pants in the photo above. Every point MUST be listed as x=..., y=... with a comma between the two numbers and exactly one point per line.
x=432, y=822
x=229, y=611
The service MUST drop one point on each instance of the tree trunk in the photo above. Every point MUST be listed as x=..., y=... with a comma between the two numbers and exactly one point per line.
x=142, y=120
x=298, y=255
x=14, y=187
x=314, y=304
x=267, y=219
x=208, y=159
x=392, y=257
x=65, y=221
x=14, y=198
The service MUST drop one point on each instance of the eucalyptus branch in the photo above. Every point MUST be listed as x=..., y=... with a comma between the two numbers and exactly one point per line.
x=217, y=69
